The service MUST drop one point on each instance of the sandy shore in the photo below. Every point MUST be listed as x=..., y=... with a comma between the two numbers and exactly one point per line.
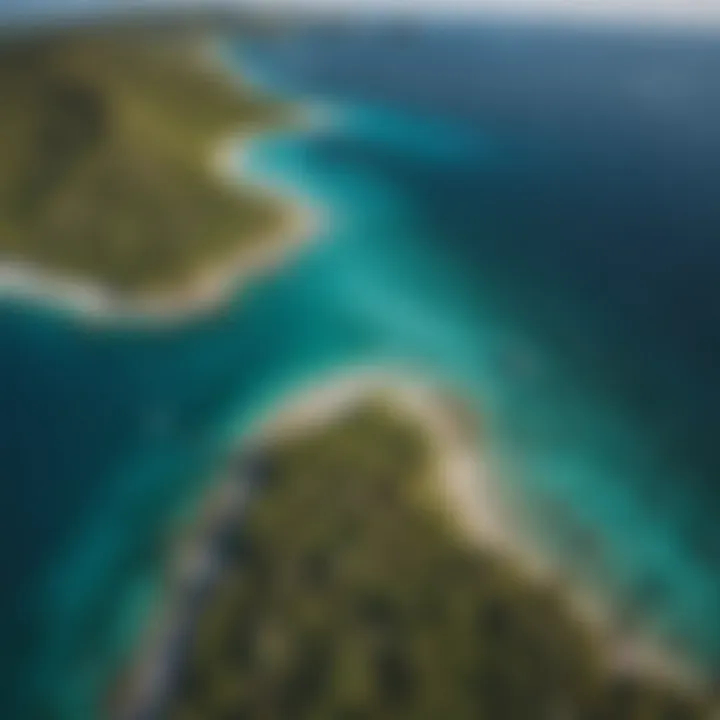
x=214, y=284
x=469, y=494
x=485, y=515
x=212, y=287
x=470, y=497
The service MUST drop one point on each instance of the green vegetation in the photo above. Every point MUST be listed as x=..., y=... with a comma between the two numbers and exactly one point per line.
x=349, y=594
x=106, y=142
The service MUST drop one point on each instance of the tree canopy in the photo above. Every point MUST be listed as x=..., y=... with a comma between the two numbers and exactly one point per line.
x=106, y=141
x=349, y=593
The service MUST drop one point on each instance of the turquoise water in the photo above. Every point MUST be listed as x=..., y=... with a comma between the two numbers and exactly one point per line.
x=436, y=256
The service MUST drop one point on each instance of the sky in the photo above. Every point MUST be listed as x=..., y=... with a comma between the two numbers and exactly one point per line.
x=686, y=12
x=664, y=11
x=669, y=10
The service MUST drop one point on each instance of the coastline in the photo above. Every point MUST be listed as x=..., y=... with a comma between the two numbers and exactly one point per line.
x=213, y=286
x=475, y=504
x=527, y=377
x=470, y=498
x=215, y=282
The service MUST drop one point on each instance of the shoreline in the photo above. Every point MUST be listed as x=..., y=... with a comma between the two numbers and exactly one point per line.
x=215, y=283
x=474, y=503
x=211, y=289
x=471, y=500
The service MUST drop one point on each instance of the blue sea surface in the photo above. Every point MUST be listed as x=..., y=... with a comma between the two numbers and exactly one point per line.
x=529, y=215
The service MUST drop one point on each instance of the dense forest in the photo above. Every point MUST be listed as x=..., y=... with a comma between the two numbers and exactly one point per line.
x=349, y=593
x=106, y=140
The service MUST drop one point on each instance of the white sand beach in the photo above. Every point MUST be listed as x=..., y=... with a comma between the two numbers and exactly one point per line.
x=215, y=282
x=212, y=287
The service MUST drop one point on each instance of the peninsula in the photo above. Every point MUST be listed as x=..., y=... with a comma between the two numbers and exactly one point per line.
x=337, y=575
x=109, y=193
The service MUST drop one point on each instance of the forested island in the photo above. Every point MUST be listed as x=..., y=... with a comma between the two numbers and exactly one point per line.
x=346, y=590
x=107, y=140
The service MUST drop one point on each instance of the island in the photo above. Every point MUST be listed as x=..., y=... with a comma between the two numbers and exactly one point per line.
x=334, y=577
x=114, y=189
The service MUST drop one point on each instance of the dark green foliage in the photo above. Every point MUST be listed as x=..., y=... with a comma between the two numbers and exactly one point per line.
x=106, y=143
x=352, y=596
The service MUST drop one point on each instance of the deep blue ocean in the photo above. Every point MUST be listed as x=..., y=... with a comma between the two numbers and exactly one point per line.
x=530, y=215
